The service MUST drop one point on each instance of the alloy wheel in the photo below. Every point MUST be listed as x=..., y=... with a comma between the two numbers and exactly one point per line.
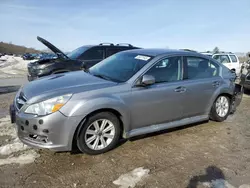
x=99, y=134
x=222, y=106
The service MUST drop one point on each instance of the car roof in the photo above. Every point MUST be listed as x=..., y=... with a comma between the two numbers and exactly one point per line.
x=224, y=53
x=89, y=46
x=207, y=53
x=103, y=45
x=157, y=51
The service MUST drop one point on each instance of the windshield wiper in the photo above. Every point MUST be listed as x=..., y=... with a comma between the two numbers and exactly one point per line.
x=102, y=76
x=86, y=70
x=106, y=78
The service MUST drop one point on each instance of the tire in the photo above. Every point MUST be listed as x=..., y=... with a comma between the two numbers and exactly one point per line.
x=92, y=141
x=246, y=90
x=214, y=115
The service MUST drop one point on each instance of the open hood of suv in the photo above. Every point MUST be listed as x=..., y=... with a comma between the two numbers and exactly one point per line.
x=54, y=49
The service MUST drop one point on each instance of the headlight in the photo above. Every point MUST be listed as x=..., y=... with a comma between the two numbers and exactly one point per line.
x=40, y=71
x=43, y=66
x=49, y=106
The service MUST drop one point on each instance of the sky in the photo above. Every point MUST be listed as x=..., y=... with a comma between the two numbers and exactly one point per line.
x=194, y=24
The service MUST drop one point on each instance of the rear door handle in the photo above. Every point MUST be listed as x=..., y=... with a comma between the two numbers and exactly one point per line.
x=216, y=83
x=180, y=89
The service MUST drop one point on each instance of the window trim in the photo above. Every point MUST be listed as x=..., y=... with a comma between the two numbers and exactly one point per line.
x=185, y=65
x=162, y=58
x=229, y=58
x=235, y=58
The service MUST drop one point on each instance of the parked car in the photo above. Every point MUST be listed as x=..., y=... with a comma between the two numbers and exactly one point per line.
x=81, y=58
x=245, y=76
x=130, y=93
x=46, y=56
x=230, y=60
x=41, y=56
x=246, y=82
x=27, y=56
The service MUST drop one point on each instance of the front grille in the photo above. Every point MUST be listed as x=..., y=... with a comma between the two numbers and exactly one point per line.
x=20, y=100
x=38, y=138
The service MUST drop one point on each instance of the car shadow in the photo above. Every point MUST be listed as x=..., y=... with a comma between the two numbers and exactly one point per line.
x=165, y=131
x=122, y=141
x=76, y=151
x=212, y=174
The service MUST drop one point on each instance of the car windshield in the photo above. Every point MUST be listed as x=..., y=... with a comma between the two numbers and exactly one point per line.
x=119, y=67
x=77, y=52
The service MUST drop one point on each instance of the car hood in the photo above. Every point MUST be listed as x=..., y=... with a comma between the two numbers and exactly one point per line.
x=60, y=84
x=54, y=49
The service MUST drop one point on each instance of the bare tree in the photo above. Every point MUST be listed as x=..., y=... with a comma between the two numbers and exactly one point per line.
x=216, y=50
x=248, y=54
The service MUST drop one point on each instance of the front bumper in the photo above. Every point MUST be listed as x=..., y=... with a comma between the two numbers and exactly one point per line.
x=54, y=131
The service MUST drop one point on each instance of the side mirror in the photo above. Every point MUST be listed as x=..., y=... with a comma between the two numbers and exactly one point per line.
x=147, y=80
x=233, y=71
x=83, y=66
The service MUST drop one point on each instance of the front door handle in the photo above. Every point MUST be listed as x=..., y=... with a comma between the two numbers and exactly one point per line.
x=180, y=89
x=216, y=83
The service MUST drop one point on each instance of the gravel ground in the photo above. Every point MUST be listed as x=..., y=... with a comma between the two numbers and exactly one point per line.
x=208, y=154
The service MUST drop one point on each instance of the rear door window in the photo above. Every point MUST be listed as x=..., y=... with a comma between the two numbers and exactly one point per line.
x=222, y=58
x=197, y=68
x=111, y=51
x=93, y=54
x=233, y=58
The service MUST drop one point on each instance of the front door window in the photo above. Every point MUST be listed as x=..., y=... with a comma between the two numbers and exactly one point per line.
x=167, y=70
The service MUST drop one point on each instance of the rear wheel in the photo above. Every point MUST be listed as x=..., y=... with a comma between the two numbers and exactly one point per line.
x=220, y=109
x=100, y=134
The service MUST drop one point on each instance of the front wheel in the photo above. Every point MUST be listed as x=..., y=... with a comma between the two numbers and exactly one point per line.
x=220, y=109
x=99, y=134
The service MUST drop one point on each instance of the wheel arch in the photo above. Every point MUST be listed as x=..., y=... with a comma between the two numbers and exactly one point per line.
x=230, y=96
x=111, y=110
x=213, y=114
x=225, y=91
x=114, y=111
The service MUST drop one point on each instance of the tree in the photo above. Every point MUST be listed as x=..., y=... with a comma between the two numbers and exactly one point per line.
x=216, y=50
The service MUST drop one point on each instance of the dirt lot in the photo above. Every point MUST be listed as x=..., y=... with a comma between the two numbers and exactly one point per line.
x=205, y=155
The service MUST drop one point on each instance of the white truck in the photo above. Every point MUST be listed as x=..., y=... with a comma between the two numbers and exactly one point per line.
x=230, y=60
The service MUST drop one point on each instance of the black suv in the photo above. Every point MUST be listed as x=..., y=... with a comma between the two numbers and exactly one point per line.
x=79, y=59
